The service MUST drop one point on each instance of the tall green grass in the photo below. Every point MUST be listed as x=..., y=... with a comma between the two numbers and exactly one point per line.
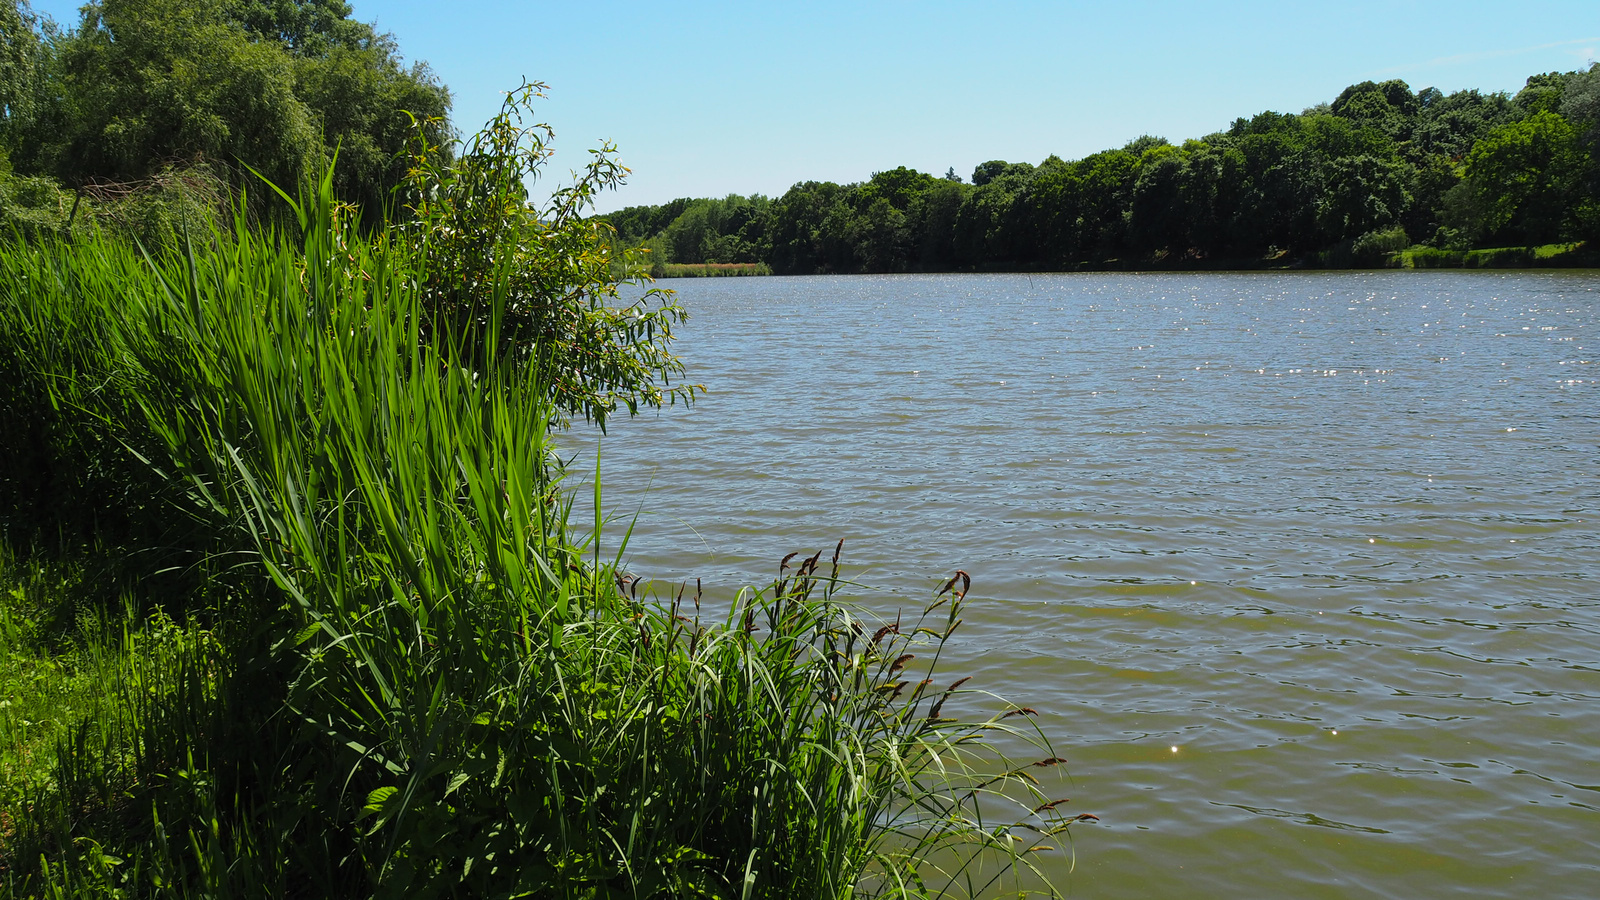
x=1572, y=255
x=386, y=662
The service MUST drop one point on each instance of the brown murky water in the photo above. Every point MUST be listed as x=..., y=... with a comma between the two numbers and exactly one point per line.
x=1331, y=536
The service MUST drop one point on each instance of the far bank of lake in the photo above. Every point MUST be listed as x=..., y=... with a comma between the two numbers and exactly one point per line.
x=1574, y=255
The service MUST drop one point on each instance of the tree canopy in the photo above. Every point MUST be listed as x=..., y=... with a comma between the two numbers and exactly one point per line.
x=139, y=86
x=1381, y=165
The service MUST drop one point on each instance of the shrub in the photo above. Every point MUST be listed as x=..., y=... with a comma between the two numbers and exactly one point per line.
x=537, y=282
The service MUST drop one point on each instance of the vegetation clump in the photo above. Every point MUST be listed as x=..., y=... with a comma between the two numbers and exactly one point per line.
x=291, y=598
x=286, y=494
x=142, y=92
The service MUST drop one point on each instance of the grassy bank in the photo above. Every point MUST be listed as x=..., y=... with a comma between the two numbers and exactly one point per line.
x=1568, y=255
x=312, y=546
x=708, y=270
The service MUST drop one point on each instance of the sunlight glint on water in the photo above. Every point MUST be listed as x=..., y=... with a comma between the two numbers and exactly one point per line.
x=1303, y=569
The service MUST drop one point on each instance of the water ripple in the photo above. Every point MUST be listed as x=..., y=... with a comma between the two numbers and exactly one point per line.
x=1302, y=568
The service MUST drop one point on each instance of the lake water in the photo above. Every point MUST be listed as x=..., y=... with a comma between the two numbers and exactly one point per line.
x=1332, y=536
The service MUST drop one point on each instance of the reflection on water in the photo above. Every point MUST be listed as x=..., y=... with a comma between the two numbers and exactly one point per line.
x=1332, y=536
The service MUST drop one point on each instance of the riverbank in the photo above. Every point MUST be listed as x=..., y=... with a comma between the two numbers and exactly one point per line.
x=346, y=638
x=1571, y=255
x=708, y=270
x=1576, y=255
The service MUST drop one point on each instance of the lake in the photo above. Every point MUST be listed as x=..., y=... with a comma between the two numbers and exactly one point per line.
x=1302, y=570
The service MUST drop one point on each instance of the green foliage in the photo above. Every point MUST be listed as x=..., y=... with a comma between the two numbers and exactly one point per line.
x=1364, y=194
x=1528, y=172
x=423, y=679
x=146, y=82
x=1274, y=189
x=32, y=206
x=21, y=57
x=308, y=28
x=987, y=172
x=1542, y=93
x=1376, y=248
x=1580, y=104
x=717, y=231
x=503, y=280
x=1388, y=108
x=143, y=86
x=1448, y=125
x=365, y=103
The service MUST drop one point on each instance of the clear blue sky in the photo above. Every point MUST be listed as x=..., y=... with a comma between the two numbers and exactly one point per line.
x=707, y=99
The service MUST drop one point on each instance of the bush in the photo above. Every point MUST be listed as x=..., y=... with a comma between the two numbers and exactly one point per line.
x=1373, y=248
x=537, y=283
x=33, y=206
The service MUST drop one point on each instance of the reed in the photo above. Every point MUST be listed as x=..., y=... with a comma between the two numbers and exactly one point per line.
x=384, y=661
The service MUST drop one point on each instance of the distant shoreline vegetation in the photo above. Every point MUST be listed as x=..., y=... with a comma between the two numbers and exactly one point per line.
x=708, y=270
x=1381, y=177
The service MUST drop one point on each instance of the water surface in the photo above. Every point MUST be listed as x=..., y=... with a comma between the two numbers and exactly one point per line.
x=1332, y=536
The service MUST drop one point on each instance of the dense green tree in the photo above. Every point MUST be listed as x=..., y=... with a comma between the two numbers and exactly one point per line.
x=1450, y=124
x=305, y=27
x=1183, y=199
x=1077, y=209
x=1144, y=142
x=987, y=171
x=1215, y=186
x=21, y=57
x=1157, y=219
x=142, y=85
x=363, y=98
x=1580, y=104
x=899, y=186
x=1332, y=137
x=1435, y=176
x=1541, y=93
x=1389, y=107
x=1281, y=181
x=145, y=83
x=801, y=240
x=933, y=217
x=986, y=225
x=732, y=229
x=1528, y=173
x=880, y=235
x=367, y=106
x=1364, y=193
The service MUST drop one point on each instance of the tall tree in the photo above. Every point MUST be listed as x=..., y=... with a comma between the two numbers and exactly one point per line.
x=147, y=83
x=304, y=27
x=277, y=85
x=20, y=59
x=1364, y=193
x=363, y=98
x=1528, y=173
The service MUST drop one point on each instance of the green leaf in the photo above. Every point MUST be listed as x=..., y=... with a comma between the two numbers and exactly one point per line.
x=377, y=800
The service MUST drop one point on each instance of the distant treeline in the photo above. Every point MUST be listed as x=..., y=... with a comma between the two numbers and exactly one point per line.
x=1380, y=169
